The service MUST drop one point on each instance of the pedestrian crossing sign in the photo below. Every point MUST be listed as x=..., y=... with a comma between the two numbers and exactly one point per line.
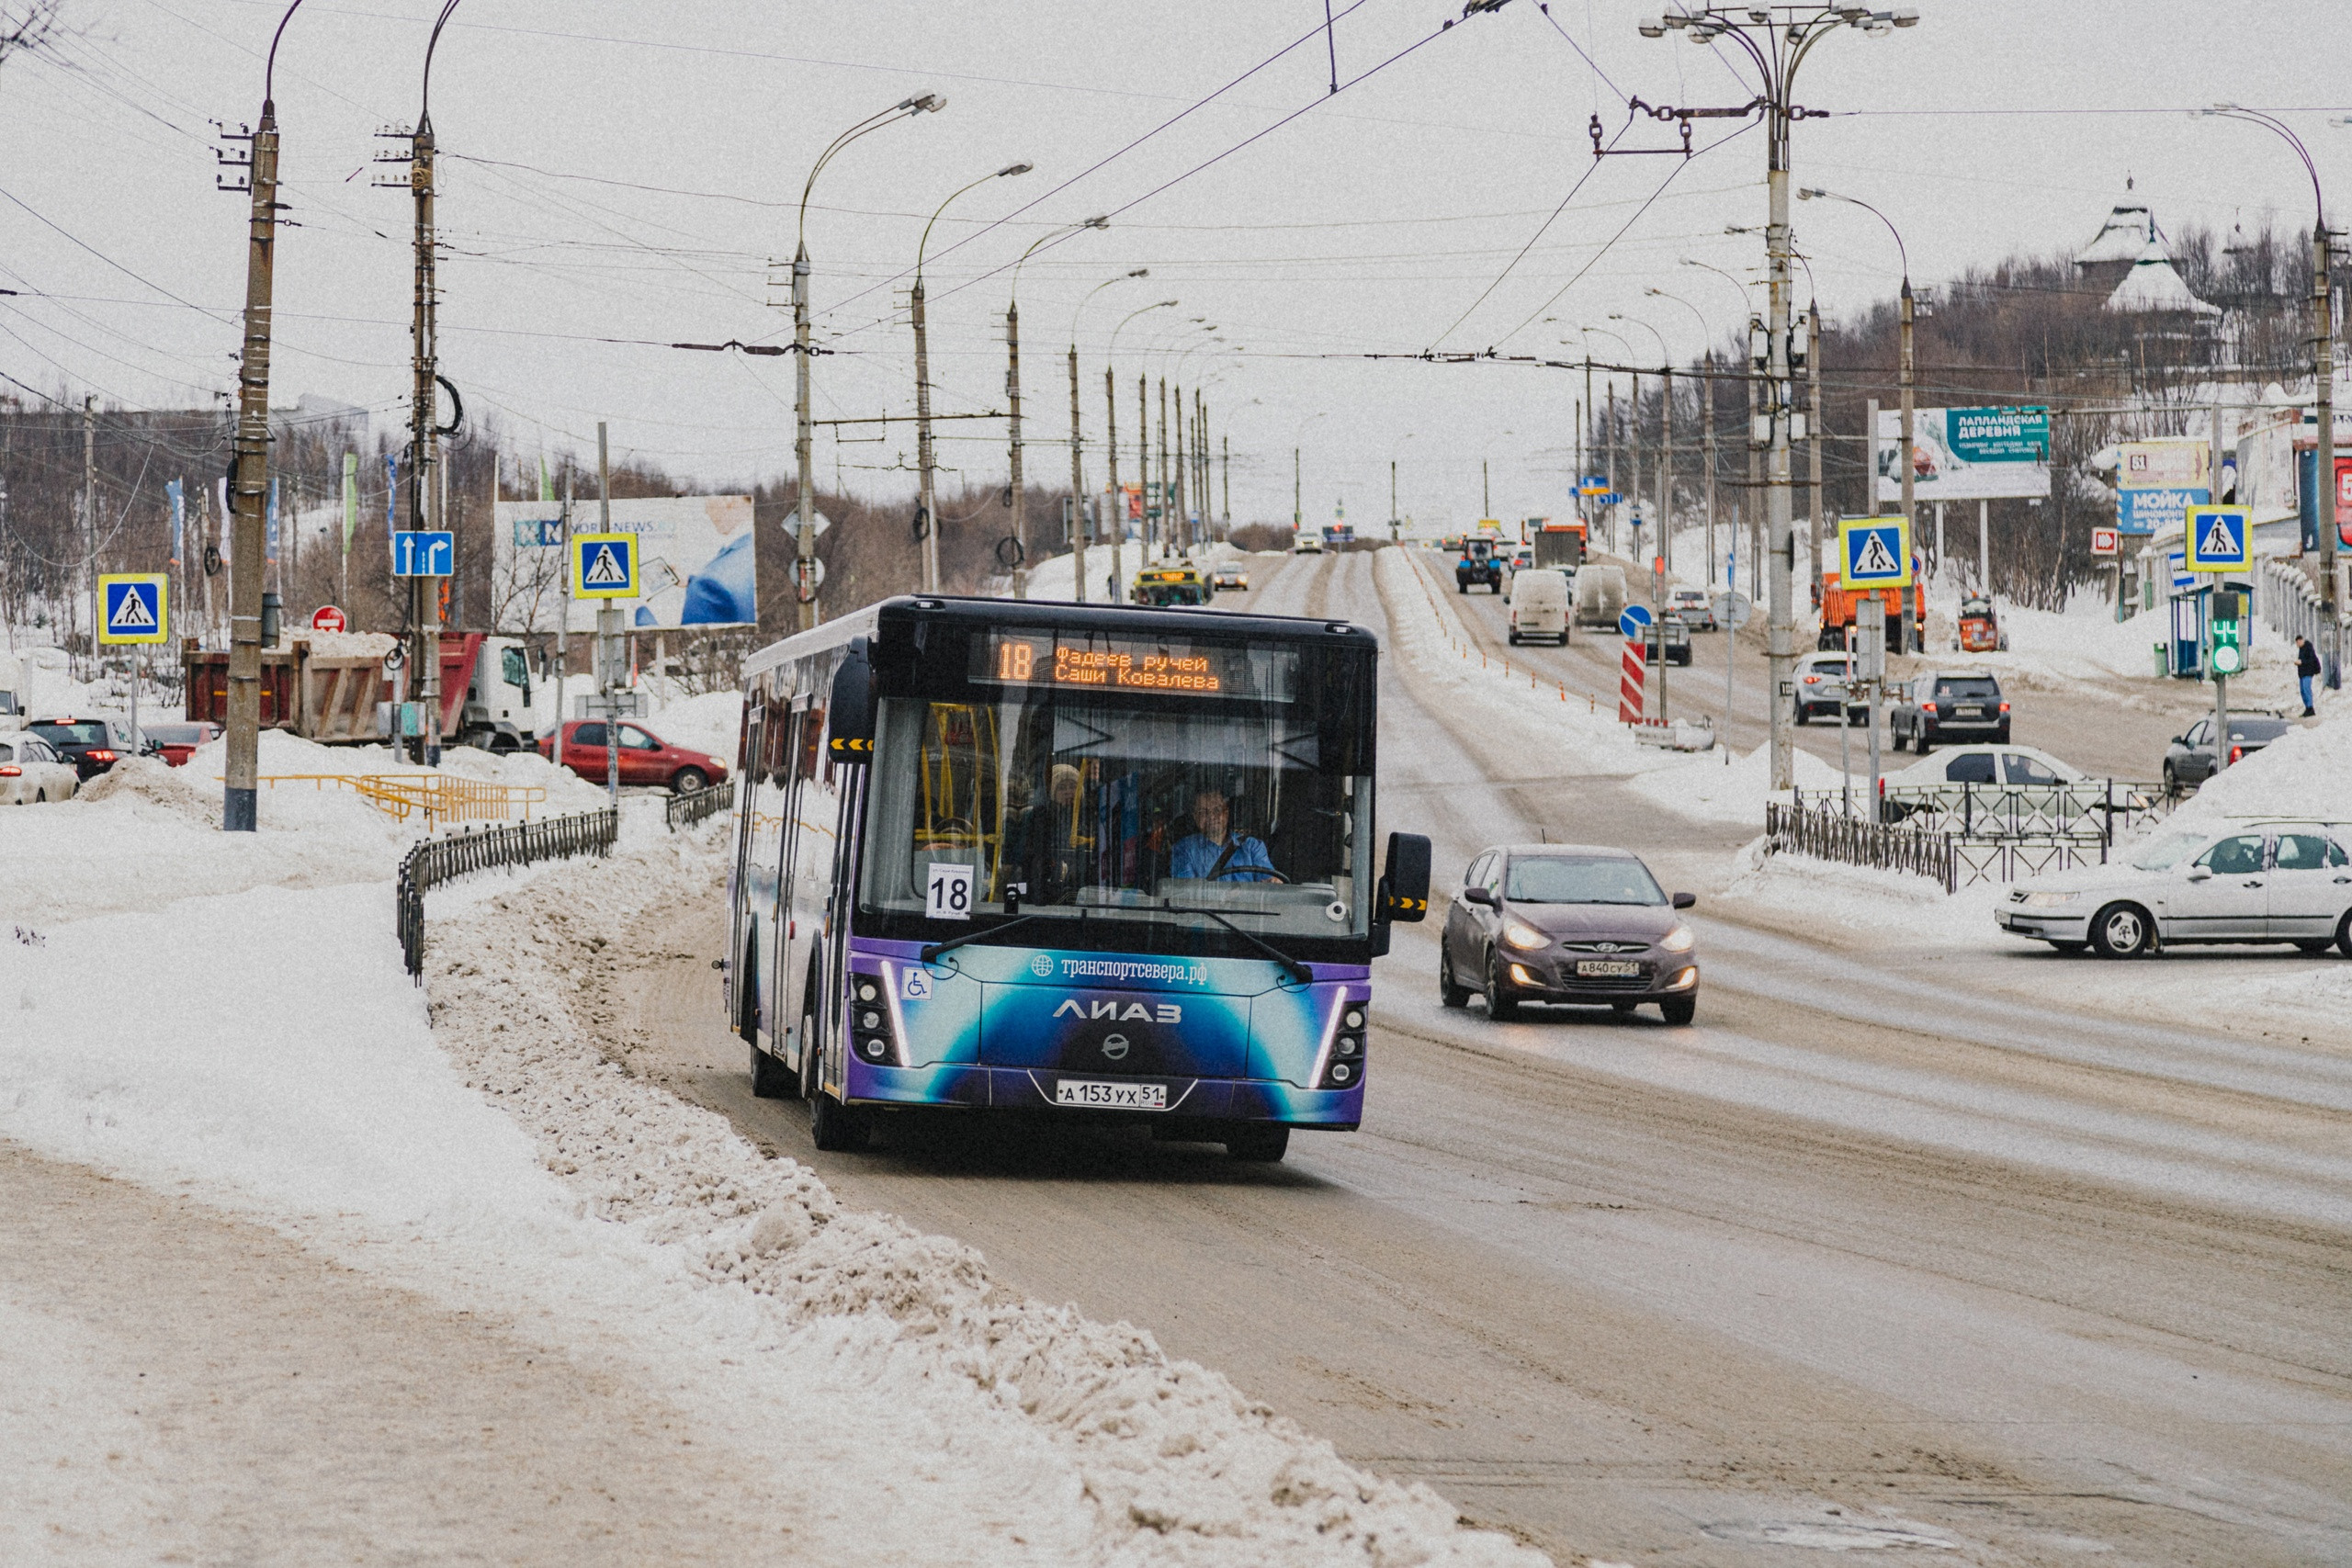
x=2218, y=538
x=1873, y=552
x=134, y=606
x=604, y=566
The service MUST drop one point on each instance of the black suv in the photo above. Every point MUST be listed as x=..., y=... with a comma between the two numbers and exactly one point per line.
x=1949, y=705
x=92, y=745
x=2189, y=761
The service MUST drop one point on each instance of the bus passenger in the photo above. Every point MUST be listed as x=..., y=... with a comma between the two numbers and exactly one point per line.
x=1209, y=854
x=1048, y=849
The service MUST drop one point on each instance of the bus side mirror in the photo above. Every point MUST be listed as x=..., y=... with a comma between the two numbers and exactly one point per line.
x=849, y=734
x=1405, y=882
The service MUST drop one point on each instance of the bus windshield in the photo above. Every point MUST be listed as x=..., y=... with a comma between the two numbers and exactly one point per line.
x=1073, y=802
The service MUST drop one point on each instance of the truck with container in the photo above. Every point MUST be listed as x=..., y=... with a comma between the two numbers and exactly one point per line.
x=1559, y=547
x=336, y=688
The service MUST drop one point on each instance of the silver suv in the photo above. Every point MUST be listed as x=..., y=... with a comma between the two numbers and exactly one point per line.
x=1820, y=683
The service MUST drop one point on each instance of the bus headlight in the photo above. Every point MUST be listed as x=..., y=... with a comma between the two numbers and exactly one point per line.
x=1526, y=936
x=1679, y=939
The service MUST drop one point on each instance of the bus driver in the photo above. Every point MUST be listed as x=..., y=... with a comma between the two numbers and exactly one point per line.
x=1207, y=854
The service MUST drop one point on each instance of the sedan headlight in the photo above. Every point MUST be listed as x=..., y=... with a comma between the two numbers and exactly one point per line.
x=2051, y=900
x=1526, y=936
x=1679, y=939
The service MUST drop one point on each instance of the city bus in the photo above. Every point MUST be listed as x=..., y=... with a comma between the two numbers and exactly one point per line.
x=1077, y=861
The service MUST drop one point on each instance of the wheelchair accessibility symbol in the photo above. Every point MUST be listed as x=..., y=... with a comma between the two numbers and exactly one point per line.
x=917, y=987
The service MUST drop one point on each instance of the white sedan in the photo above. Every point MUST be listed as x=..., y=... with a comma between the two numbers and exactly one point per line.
x=2283, y=881
x=1988, y=764
x=30, y=772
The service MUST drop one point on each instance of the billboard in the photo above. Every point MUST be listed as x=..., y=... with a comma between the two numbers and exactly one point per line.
x=2157, y=482
x=1966, y=453
x=695, y=561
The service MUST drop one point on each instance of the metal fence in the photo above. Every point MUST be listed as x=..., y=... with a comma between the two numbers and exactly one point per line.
x=1831, y=835
x=437, y=860
x=2105, y=809
x=2288, y=601
x=685, y=810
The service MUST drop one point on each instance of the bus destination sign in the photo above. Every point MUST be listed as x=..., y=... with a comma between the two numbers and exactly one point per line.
x=1133, y=664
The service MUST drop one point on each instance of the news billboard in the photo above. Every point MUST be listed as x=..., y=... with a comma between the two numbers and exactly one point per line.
x=696, y=564
x=1966, y=453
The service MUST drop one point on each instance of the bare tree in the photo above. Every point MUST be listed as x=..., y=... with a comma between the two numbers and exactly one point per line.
x=30, y=27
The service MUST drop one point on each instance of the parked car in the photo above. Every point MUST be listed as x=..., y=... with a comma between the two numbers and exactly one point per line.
x=1948, y=705
x=1988, y=764
x=30, y=772
x=91, y=745
x=1568, y=923
x=645, y=757
x=1539, y=606
x=2285, y=882
x=2189, y=761
x=176, y=743
x=1820, y=684
x=1698, y=611
x=1669, y=636
x=1231, y=575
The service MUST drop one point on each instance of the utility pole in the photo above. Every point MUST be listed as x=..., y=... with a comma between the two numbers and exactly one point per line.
x=926, y=515
x=2323, y=346
x=240, y=781
x=1226, y=460
x=563, y=600
x=1163, y=531
x=1143, y=465
x=1485, y=491
x=1665, y=489
x=1609, y=435
x=1297, y=516
x=1707, y=440
x=1110, y=455
x=1750, y=512
x=1078, y=522
x=1012, y=399
x=608, y=634
x=1812, y=407
x=804, y=435
x=1634, y=452
x=424, y=445
x=90, y=517
x=1903, y=461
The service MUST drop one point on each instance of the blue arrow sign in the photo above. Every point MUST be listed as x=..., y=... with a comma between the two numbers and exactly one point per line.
x=1635, y=618
x=424, y=553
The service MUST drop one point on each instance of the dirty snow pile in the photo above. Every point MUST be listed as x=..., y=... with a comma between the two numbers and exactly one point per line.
x=2305, y=772
x=1864, y=900
x=1157, y=1461
x=1562, y=736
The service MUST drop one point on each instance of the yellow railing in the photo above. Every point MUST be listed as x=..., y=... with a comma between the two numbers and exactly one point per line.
x=437, y=796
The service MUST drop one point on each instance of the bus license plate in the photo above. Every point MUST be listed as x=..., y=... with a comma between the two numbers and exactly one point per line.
x=1607, y=968
x=1112, y=1096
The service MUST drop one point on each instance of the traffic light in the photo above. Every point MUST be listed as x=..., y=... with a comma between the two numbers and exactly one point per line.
x=2228, y=631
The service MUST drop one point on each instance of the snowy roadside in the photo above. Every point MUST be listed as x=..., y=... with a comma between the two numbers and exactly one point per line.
x=1494, y=695
x=471, y=1140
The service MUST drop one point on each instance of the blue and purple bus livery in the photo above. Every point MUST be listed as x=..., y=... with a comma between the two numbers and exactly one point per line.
x=1091, y=862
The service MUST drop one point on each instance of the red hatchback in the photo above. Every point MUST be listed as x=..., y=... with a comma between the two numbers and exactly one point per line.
x=646, y=759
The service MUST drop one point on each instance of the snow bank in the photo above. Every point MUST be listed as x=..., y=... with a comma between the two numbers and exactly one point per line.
x=712, y=722
x=1882, y=903
x=2307, y=773
x=1168, y=1461
x=471, y=1141
x=1563, y=732
x=1717, y=788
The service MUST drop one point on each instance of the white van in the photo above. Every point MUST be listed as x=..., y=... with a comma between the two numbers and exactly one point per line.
x=1601, y=595
x=1539, y=606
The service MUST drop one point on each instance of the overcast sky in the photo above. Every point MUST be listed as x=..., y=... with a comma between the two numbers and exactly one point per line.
x=617, y=177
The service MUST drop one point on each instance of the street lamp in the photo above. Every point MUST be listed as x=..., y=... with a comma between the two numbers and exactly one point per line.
x=2322, y=387
x=1706, y=420
x=1903, y=373
x=803, y=434
x=1777, y=46
x=1013, y=411
x=1618, y=507
x=1395, y=524
x=1297, y=490
x=240, y=781
x=1078, y=521
x=926, y=509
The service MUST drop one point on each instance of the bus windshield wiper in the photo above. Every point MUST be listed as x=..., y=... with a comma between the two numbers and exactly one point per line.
x=933, y=950
x=1290, y=966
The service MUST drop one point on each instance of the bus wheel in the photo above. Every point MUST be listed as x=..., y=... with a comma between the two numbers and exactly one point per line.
x=770, y=1080
x=1259, y=1143
x=834, y=1127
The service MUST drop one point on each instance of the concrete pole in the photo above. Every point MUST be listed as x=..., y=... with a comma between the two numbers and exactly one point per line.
x=2331, y=629
x=1908, y=466
x=1985, y=553
x=1176, y=534
x=1813, y=429
x=1707, y=439
x=90, y=517
x=240, y=780
x=1013, y=401
x=804, y=437
x=1078, y=519
x=1162, y=531
x=1118, y=496
x=1609, y=435
x=929, y=508
x=1779, y=541
x=1143, y=466
x=608, y=636
x=1225, y=457
x=1665, y=486
x=425, y=464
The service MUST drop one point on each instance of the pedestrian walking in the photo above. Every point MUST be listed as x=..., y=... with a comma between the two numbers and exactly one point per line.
x=2306, y=670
